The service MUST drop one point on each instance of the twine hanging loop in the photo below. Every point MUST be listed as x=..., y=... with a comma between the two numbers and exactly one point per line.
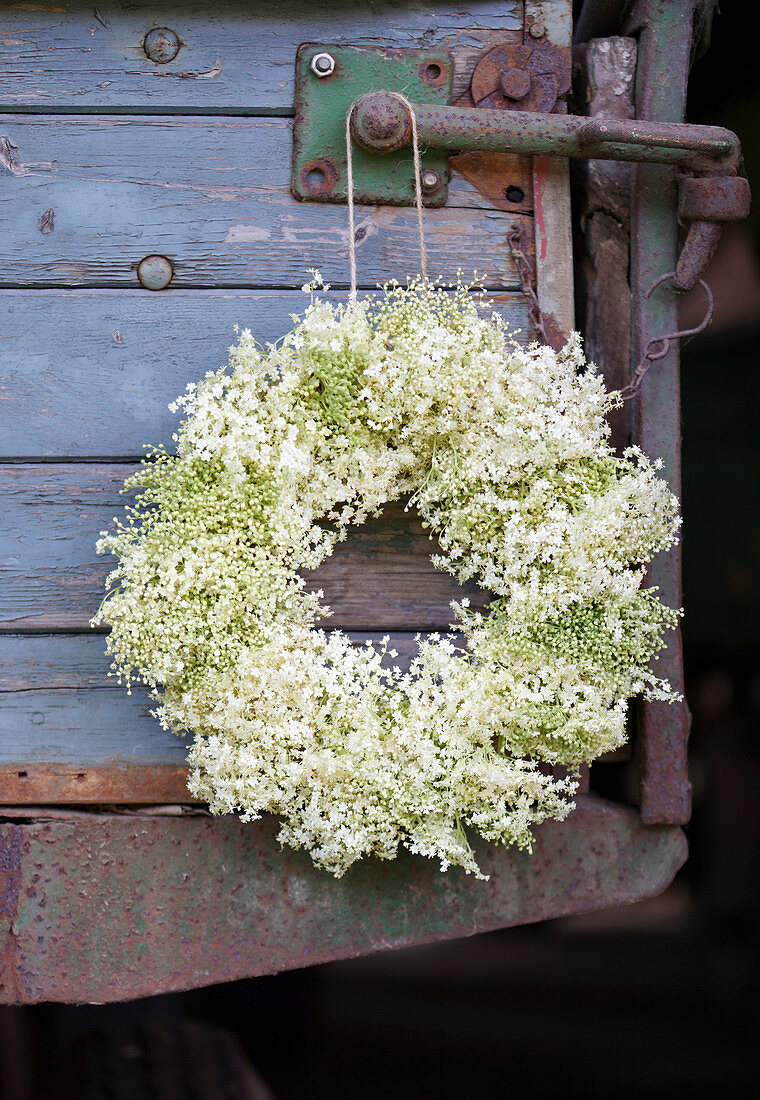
x=417, y=192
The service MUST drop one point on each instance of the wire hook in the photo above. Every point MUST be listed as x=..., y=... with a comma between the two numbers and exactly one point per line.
x=659, y=346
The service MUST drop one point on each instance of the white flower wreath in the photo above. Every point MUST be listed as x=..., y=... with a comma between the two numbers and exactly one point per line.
x=504, y=451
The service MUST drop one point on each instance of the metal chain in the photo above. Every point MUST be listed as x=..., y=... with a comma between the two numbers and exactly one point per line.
x=656, y=348
x=527, y=275
x=659, y=346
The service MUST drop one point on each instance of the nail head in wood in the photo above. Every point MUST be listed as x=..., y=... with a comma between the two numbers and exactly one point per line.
x=161, y=45
x=155, y=272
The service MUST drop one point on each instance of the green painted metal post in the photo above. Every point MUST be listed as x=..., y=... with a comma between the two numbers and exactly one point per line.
x=664, y=30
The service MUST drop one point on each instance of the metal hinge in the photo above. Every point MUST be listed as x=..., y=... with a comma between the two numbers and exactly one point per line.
x=491, y=118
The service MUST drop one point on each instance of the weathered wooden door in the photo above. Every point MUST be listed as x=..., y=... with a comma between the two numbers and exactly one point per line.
x=145, y=156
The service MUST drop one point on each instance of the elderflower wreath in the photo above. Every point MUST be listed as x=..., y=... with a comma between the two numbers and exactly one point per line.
x=504, y=451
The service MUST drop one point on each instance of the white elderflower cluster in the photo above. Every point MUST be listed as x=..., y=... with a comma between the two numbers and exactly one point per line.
x=504, y=451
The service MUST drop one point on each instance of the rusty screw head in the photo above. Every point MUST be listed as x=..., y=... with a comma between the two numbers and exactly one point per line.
x=515, y=83
x=155, y=272
x=380, y=122
x=161, y=45
x=537, y=29
x=322, y=65
x=431, y=180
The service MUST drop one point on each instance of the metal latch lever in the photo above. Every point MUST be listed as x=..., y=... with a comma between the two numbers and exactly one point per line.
x=380, y=122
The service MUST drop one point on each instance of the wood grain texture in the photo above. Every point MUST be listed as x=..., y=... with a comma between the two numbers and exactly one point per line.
x=87, y=373
x=606, y=83
x=213, y=196
x=51, y=578
x=235, y=56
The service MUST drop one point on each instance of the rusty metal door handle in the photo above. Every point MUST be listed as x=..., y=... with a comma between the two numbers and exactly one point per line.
x=380, y=122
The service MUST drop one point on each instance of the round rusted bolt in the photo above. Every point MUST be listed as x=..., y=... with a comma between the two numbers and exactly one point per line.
x=537, y=29
x=155, y=272
x=322, y=65
x=380, y=122
x=431, y=181
x=161, y=45
x=515, y=83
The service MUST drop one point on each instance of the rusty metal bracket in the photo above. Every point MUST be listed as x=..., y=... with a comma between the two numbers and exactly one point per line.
x=534, y=76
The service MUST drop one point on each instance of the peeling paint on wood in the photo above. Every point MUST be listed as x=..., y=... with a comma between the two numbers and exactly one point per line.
x=234, y=57
x=46, y=224
x=9, y=158
x=179, y=187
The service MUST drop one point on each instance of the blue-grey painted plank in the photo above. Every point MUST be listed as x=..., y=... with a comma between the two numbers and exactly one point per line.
x=58, y=704
x=235, y=55
x=94, y=726
x=51, y=578
x=93, y=372
x=89, y=197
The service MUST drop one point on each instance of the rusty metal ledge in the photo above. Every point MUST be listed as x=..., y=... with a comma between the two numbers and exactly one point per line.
x=107, y=908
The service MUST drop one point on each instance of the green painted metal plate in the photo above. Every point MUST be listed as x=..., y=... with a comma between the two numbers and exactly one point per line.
x=323, y=103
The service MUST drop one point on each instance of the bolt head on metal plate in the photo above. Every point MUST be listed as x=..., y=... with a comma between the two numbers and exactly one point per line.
x=430, y=180
x=322, y=64
x=322, y=106
x=515, y=83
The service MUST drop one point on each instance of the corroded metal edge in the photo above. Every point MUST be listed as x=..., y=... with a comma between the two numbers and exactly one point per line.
x=107, y=908
x=27, y=784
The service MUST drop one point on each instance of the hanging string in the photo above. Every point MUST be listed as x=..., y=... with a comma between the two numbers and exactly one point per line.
x=350, y=184
x=417, y=194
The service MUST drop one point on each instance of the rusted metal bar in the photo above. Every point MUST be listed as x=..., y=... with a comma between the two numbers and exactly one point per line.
x=28, y=784
x=380, y=122
x=105, y=908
